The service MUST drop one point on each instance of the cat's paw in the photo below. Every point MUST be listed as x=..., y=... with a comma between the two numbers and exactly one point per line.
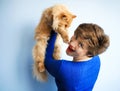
x=41, y=67
x=66, y=40
x=56, y=56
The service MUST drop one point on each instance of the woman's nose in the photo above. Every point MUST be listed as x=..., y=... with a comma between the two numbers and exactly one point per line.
x=71, y=45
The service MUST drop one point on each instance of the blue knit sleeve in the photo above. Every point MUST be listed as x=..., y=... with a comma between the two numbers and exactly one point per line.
x=51, y=65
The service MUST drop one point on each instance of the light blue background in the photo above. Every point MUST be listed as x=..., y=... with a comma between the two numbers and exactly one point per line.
x=18, y=19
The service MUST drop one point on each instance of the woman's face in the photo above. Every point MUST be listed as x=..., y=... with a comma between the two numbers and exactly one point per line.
x=76, y=49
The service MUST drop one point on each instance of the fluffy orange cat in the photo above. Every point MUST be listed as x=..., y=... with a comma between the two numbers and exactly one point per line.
x=56, y=18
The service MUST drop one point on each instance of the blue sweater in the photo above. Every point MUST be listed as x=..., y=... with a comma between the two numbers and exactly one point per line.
x=70, y=75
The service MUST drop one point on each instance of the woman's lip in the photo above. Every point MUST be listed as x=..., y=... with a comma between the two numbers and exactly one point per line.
x=69, y=49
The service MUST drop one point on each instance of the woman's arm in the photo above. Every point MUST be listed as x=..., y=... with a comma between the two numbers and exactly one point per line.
x=51, y=65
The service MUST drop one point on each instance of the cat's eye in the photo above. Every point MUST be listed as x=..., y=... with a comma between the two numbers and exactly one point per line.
x=64, y=17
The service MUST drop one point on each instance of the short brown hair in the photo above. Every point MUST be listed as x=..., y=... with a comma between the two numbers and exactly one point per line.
x=95, y=38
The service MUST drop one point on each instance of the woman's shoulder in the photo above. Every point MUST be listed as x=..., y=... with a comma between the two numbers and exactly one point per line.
x=69, y=64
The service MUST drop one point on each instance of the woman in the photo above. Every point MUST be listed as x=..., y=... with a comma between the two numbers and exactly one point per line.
x=80, y=74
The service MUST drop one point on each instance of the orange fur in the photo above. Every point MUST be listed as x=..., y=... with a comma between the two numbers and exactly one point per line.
x=56, y=18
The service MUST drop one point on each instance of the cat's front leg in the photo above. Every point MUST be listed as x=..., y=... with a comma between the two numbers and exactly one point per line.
x=64, y=35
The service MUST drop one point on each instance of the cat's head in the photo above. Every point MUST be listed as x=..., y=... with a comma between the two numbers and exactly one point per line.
x=62, y=18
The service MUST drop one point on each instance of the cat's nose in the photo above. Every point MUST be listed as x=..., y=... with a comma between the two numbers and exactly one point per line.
x=66, y=26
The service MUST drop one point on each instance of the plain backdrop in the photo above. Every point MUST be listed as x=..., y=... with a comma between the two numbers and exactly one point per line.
x=18, y=19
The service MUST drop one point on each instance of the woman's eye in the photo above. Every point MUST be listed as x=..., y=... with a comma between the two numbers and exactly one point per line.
x=81, y=45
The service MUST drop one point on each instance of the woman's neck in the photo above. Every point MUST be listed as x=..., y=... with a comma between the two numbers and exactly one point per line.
x=81, y=59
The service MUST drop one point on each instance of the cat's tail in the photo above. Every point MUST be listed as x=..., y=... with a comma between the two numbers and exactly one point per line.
x=40, y=76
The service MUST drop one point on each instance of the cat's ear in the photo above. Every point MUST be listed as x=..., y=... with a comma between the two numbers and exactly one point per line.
x=64, y=16
x=74, y=16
